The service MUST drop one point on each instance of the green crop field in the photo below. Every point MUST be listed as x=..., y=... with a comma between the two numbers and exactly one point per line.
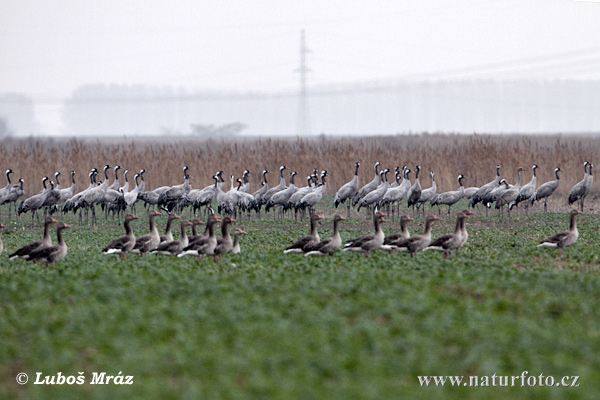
x=264, y=325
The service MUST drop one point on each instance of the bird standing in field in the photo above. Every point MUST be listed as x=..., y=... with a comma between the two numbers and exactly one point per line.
x=581, y=189
x=417, y=243
x=452, y=241
x=46, y=241
x=563, y=239
x=330, y=245
x=122, y=245
x=305, y=244
x=546, y=190
x=52, y=254
x=346, y=192
x=368, y=243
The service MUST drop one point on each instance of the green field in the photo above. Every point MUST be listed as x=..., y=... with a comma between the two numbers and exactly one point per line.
x=264, y=325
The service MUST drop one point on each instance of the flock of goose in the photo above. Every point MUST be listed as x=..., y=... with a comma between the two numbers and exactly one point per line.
x=403, y=242
x=375, y=195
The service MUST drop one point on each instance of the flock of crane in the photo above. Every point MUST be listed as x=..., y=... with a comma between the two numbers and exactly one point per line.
x=375, y=195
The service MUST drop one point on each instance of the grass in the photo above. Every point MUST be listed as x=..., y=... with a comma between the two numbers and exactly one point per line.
x=267, y=325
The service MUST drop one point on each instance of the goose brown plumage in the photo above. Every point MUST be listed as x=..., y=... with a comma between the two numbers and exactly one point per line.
x=305, y=244
x=563, y=239
x=417, y=243
x=122, y=245
x=330, y=245
x=46, y=241
x=50, y=255
x=145, y=243
x=368, y=243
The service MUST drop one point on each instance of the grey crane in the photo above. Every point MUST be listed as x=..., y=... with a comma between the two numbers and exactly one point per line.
x=397, y=194
x=15, y=192
x=428, y=194
x=282, y=197
x=415, y=191
x=311, y=199
x=67, y=193
x=34, y=202
x=526, y=191
x=546, y=190
x=368, y=188
x=375, y=196
x=483, y=190
x=115, y=184
x=267, y=196
x=346, y=192
x=450, y=198
x=510, y=195
x=173, y=195
x=578, y=192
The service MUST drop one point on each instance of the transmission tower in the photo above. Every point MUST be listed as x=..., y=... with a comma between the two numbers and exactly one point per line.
x=303, y=125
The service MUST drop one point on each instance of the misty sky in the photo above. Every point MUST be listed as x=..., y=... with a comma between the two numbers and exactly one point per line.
x=48, y=48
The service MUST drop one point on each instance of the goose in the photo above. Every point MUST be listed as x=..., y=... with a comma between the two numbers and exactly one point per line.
x=526, y=191
x=307, y=242
x=235, y=248
x=452, y=241
x=465, y=233
x=563, y=239
x=149, y=241
x=509, y=195
x=282, y=197
x=168, y=235
x=46, y=241
x=368, y=188
x=450, y=198
x=51, y=254
x=375, y=196
x=581, y=189
x=346, y=192
x=224, y=243
x=482, y=191
x=546, y=190
x=203, y=246
x=122, y=245
x=174, y=247
x=428, y=194
x=415, y=244
x=34, y=202
x=330, y=245
x=368, y=243
x=415, y=191
x=195, y=224
x=390, y=241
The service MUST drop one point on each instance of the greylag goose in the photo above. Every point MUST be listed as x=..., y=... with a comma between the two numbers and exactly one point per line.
x=168, y=235
x=347, y=191
x=122, y=245
x=390, y=241
x=465, y=233
x=330, y=245
x=224, y=243
x=307, y=242
x=581, y=189
x=368, y=243
x=452, y=241
x=235, y=249
x=563, y=239
x=417, y=243
x=46, y=241
x=368, y=188
x=203, y=246
x=51, y=254
x=145, y=243
x=546, y=190
x=174, y=247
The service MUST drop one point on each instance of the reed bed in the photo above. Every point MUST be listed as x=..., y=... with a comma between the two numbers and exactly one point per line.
x=475, y=156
